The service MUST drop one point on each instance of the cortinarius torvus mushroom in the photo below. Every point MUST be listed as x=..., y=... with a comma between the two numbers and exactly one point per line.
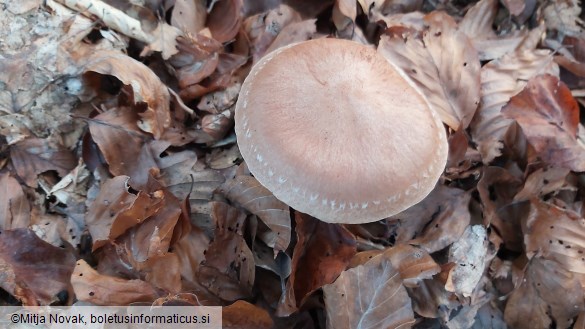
x=336, y=131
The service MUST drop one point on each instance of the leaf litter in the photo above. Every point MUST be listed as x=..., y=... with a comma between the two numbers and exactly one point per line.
x=121, y=180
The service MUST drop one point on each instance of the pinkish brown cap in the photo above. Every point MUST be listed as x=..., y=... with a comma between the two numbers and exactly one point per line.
x=336, y=131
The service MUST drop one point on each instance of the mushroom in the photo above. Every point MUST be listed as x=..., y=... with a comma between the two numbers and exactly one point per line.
x=336, y=131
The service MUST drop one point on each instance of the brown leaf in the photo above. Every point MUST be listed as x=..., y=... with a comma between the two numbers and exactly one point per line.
x=412, y=263
x=14, y=206
x=449, y=223
x=115, y=210
x=431, y=300
x=152, y=238
x=538, y=297
x=447, y=211
x=500, y=80
x=34, y=156
x=228, y=252
x=497, y=188
x=243, y=315
x=294, y=32
x=322, y=252
x=555, y=234
x=549, y=117
x=543, y=181
x=442, y=62
x=145, y=85
x=191, y=251
x=249, y=194
x=262, y=29
x=368, y=296
x=99, y=289
x=32, y=270
x=225, y=19
x=123, y=145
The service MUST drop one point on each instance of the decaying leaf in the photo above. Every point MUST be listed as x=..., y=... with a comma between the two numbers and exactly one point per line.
x=500, y=80
x=243, y=315
x=145, y=85
x=322, y=252
x=14, y=206
x=249, y=194
x=228, y=252
x=368, y=296
x=442, y=62
x=549, y=117
x=538, y=298
x=469, y=254
x=91, y=286
x=32, y=270
x=33, y=156
x=116, y=210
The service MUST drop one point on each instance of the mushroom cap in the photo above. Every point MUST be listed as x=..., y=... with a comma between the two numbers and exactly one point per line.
x=336, y=131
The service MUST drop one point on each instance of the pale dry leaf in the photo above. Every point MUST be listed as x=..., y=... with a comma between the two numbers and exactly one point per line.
x=249, y=194
x=469, y=255
x=145, y=84
x=343, y=16
x=500, y=80
x=368, y=296
x=477, y=24
x=443, y=64
x=189, y=15
x=564, y=16
x=294, y=32
x=162, y=38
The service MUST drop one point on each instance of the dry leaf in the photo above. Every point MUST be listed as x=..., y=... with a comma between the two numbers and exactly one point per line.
x=249, y=194
x=442, y=62
x=228, y=252
x=123, y=145
x=14, y=206
x=34, y=156
x=368, y=296
x=225, y=19
x=549, y=117
x=538, y=297
x=322, y=252
x=98, y=289
x=145, y=85
x=189, y=16
x=469, y=254
x=343, y=15
x=555, y=234
x=32, y=270
x=115, y=210
x=500, y=80
x=243, y=315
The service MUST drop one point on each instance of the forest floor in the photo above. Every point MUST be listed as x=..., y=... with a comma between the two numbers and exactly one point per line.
x=121, y=180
